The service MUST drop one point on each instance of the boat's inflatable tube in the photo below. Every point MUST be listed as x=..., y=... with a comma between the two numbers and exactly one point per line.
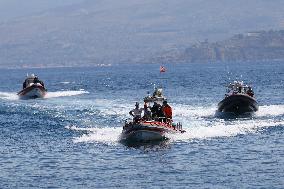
x=148, y=131
x=238, y=104
x=33, y=91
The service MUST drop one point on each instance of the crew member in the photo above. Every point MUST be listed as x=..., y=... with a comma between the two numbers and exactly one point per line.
x=136, y=113
x=160, y=114
x=36, y=80
x=250, y=92
x=25, y=84
x=240, y=89
x=155, y=110
x=147, y=113
x=167, y=111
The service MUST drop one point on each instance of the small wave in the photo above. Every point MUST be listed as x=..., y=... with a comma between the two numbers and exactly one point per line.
x=112, y=107
x=193, y=111
x=8, y=96
x=107, y=135
x=64, y=93
x=65, y=82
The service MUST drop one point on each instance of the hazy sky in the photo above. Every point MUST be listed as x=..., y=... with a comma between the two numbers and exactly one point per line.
x=10, y=9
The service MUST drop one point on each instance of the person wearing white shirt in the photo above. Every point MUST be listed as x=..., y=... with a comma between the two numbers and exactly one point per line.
x=136, y=113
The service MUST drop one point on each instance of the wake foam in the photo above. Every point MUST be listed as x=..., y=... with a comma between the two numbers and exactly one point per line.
x=199, y=123
x=107, y=135
x=111, y=136
x=64, y=93
x=14, y=96
x=187, y=113
x=271, y=110
x=223, y=129
x=8, y=96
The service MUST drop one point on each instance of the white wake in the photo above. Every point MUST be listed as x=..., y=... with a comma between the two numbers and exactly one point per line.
x=56, y=94
x=271, y=110
x=107, y=135
x=223, y=129
x=199, y=122
x=8, y=96
x=64, y=93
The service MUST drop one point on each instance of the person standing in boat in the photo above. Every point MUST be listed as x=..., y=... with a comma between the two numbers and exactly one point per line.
x=167, y=110
x=156, y=111
x=136, y=113
x=36, y=80
x=240, y=89
x=250, y=91
x=160, y=114
x=25, y=84
x=147, y=112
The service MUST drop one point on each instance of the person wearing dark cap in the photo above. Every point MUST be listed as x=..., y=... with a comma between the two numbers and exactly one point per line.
x=155, y=109
x=136, y=113
x=167, y=109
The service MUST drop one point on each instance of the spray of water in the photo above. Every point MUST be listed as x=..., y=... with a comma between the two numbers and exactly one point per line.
x=272, y=110
x=64, y=93
x=14, y=96
x=8, y=96
x=199, y=123
x=107, y=135
x=222, y=129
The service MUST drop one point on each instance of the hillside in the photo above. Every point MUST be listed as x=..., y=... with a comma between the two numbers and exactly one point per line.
x=110, y=31
x=252, y=46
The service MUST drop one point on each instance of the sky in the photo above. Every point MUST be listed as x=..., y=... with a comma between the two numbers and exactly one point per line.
x=11, y=9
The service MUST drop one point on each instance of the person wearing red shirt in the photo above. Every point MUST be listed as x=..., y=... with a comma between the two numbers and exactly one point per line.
x=167, y=111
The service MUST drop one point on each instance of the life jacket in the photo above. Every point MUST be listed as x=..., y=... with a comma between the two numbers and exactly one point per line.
x=167, y=111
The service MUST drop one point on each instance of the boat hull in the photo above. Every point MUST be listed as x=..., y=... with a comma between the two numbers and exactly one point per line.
x=144, y=135
x=33, y=91
x=147, y=131
x=238, y=104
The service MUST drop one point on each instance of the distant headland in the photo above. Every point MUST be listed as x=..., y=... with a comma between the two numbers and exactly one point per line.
x=251, y=46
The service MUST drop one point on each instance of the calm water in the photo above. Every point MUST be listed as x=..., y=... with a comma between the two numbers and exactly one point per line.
x=70, y=138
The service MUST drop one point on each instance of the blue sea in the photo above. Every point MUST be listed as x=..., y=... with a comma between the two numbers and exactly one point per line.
x=70, y=139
